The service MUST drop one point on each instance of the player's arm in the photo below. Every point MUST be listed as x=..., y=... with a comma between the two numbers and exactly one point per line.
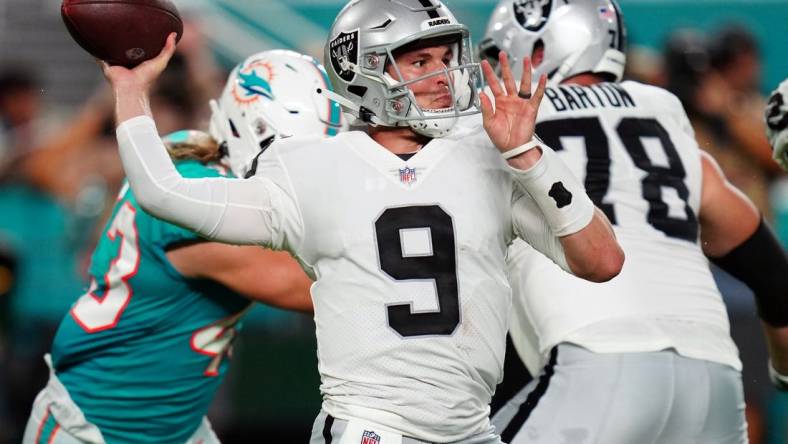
x=252, y=211
x=270, y=277
x=735, y=237
x=590, y=250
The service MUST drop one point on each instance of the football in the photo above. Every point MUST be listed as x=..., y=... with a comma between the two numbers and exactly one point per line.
x=121, y=32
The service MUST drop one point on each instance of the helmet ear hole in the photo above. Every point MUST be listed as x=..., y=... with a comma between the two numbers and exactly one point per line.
x=537, y=54
x=357, y=90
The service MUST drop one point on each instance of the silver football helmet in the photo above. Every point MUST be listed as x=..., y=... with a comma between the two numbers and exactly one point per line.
x=362, y=44
x=578, y=37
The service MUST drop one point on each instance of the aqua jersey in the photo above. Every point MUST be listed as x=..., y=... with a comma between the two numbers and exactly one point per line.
x=144, y=350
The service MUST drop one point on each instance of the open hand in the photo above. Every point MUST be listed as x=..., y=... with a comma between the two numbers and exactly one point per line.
x=513, y=121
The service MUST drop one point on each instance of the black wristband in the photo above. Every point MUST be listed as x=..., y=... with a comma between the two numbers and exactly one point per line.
x=762, y=264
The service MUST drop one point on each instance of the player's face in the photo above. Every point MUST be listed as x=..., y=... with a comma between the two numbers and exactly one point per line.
x=432, y=92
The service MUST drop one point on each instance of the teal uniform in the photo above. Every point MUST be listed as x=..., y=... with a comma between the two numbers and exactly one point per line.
x=143, y=352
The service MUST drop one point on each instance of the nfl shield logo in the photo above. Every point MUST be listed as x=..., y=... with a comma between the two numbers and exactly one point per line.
x=407, y=175
x=370, y=438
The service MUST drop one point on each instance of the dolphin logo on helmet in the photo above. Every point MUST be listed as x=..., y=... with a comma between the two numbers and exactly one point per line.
x=254, y=84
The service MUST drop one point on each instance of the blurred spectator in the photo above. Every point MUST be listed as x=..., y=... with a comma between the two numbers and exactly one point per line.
x=19, y=107
x=728, y=111
x=645, y=65
x=686, y=61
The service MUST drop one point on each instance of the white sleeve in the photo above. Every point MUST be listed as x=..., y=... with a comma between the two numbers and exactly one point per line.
x=531, y=226
x=240, y=211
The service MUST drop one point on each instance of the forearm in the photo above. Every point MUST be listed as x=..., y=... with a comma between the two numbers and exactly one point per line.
x=131, y=102
x=587, y=240
x=593, y=252
x=228, y=210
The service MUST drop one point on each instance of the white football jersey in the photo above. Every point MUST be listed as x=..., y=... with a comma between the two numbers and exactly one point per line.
x=634, y=148
x=411, y=297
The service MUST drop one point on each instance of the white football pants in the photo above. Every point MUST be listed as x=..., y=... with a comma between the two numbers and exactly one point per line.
x=582, y=397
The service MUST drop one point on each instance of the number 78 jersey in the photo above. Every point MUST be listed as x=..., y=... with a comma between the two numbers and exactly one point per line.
x=635, y=150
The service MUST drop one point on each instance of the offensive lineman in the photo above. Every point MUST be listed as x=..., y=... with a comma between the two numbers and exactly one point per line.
x=646, y=357
x=408, y=252
x=140, y=356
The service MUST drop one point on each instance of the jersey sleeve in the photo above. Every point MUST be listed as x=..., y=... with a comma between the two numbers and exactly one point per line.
x=250, y=211
x=531, y=226
x=164, y=234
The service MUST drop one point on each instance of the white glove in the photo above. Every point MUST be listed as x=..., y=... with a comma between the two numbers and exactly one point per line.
x=777, y=124
x=779, y=381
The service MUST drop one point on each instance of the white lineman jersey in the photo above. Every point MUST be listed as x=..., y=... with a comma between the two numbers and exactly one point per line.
x=634, y=148
x=411, y=297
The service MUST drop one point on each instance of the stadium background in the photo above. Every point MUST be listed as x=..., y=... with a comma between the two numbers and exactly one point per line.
x=46, y=231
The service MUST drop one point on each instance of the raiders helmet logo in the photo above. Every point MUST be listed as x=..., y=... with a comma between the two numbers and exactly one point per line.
x=532, y=14
x=344, y=55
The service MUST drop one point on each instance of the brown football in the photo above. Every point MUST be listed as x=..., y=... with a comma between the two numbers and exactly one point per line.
x=121, y=32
